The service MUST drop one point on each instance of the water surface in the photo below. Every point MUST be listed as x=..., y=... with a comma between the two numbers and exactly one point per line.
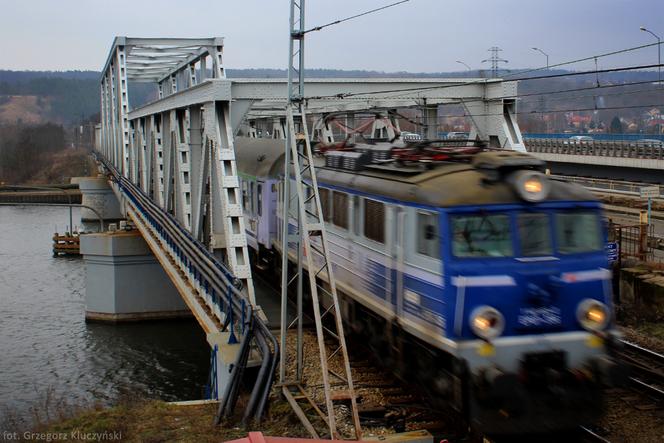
x=47, y=350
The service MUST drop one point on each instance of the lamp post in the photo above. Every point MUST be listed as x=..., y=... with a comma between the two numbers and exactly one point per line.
x=462, y=63
x=659, y=67
x=545, y=55
x=659, y=53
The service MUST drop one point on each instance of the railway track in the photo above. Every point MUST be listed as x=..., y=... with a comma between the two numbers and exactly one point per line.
x=591, y=436
x=647, y=370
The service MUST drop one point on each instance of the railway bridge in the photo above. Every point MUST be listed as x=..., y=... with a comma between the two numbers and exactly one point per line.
x=171, y=166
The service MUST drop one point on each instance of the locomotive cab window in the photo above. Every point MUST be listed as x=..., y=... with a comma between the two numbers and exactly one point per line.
x=578, y=232
x=481, y=235
x=374, y=220
x=535, y=235
x=428, y=237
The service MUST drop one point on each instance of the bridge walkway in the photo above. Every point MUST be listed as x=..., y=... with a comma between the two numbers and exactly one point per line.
x=210, y=291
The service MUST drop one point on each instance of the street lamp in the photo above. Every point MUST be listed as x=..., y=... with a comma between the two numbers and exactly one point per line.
x=545, y=54
x=462, y=63
x=659, y=68
x=659, y=54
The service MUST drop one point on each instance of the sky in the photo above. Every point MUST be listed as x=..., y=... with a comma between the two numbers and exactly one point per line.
x=417, y=36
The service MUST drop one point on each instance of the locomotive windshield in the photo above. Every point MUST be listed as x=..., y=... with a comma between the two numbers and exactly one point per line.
x=578, y=232
x=535, y=234
x=482, y=236
x=490, y=235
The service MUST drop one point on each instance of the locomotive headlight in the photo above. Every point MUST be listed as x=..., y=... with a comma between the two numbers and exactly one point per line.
x=487, y=322
x=593, y=315
x=531, y=186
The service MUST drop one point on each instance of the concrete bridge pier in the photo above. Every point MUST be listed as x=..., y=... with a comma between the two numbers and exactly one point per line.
x=124, y=280
x=97, y=194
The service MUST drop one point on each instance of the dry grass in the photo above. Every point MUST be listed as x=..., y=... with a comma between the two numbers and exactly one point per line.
x=156, y=421
x=63, y=165
x=28, y=109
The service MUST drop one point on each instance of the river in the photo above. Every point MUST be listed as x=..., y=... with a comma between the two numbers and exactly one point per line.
x=49, y=355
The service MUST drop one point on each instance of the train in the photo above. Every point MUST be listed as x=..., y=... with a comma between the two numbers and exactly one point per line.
x=467, y=269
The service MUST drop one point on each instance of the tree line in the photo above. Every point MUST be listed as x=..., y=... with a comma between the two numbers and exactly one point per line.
x=25, y=150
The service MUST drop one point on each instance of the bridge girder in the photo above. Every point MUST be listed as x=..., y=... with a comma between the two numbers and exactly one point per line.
x=180, y=148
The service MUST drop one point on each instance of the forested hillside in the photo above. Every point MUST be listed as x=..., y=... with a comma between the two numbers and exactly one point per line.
x=73, y=96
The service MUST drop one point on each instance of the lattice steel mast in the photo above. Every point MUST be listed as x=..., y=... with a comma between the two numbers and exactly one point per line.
x=312, y=237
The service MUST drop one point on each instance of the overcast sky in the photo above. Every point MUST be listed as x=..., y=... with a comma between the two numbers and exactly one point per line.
x=418, y=36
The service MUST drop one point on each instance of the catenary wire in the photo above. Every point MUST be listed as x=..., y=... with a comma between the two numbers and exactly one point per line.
x=481, y=81
x=336, y=22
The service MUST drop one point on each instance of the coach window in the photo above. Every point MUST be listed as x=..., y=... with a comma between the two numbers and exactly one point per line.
x=374, y=220
x=356, y=214
x=259, y=198
x=245, y=196
x=324, y=195
x=251, y=197
x=428, y=238
x=340, y=209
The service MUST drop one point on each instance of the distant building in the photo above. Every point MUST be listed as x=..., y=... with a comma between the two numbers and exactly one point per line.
x=578, y=121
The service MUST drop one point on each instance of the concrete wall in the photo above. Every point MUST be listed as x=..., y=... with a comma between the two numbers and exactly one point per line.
x=125, y=282
x=642, y=293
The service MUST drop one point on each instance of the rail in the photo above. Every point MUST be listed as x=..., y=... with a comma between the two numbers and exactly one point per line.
x=647, y=368
x=220, y=292
x=597, y=148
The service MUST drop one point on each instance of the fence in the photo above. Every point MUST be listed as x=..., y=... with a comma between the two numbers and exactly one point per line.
x=599, y=148
x=600, y=137
x=636, y=241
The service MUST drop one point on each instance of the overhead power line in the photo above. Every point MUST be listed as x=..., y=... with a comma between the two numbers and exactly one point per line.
x=336, y=22
x=481, y=81
x=454, y=85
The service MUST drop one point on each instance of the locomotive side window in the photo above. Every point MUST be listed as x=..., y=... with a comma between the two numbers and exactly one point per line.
x=481, y=236
x=374, y=220
x=428, y=238
x=340, y=209
x=578, y=232
x=535, y=235
x=324, y=195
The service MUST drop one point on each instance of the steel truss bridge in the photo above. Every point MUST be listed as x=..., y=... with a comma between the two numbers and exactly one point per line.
x=172, y=165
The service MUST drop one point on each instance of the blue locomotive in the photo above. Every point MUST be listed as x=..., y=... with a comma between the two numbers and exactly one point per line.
x=468, y=270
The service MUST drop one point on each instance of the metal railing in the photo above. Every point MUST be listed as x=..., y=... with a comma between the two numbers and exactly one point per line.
x=598, y=148
x=634, y=241
x=618, y=186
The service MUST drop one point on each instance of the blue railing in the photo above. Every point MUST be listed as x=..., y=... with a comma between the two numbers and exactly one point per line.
x=212, y=388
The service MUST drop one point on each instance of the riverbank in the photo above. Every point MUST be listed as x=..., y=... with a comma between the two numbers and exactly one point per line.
x=58, y=196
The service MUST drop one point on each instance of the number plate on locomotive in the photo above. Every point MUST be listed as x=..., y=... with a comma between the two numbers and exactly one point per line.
x=533, y=317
